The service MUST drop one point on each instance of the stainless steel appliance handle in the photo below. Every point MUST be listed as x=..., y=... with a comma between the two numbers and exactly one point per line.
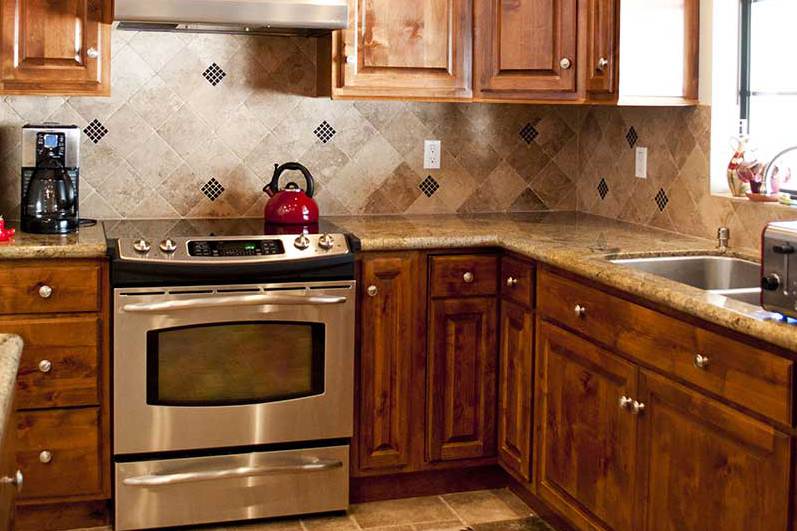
x=155, y=480
x=240, y=300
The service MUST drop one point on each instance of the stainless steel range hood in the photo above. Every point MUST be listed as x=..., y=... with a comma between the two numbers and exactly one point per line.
x=233, y=16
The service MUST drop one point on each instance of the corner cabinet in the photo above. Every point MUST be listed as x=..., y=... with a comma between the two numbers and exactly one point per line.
x=56, y=47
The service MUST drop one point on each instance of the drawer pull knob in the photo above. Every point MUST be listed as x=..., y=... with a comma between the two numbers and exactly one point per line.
x=638, y=407
x=92, y=53
x=468, y=277
x=580, y=311
x=45, y=456
x=511, y=282
x=625, y=402
x=17, y=480
x=45, y=291
x=602, y=64
x=372, y=291
x=701, y=362
x=565, y=63
x=45, y=366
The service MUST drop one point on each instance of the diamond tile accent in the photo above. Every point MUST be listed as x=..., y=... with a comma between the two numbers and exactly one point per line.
x=212, y=189
x=662, y=199
x=603, y=188
x=95, y=131
x=214, y=74
x=632, y=137
x=325, y=132
x=529, y=133
x=429, y=186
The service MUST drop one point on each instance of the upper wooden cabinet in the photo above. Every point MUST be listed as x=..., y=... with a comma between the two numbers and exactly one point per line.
x=525, y=49
x=602, y=46
x=407, y=49
x=56, y=47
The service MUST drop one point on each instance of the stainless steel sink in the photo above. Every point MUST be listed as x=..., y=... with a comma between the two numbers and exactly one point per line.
x=733, y=277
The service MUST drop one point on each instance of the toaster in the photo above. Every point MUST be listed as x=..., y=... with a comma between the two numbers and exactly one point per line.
x=779, y=268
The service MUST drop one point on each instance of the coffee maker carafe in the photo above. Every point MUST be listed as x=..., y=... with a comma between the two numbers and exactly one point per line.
x=50, y=178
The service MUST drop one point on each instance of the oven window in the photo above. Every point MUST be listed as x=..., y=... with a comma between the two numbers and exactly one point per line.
x=234, y=363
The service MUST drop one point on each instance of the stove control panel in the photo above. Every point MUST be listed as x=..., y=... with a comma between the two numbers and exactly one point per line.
x=227, y=248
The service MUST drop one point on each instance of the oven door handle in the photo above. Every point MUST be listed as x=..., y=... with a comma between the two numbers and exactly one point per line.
x=225, y=302
x=157, y=480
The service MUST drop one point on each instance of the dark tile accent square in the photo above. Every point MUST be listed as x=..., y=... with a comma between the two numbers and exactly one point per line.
x=212, y=189
x=603, y=189
x=325, y=132
x=632, y=137
x=529, y=133
x=214, y=74
x=662, y=199
x=429, y=186
x=95, y=131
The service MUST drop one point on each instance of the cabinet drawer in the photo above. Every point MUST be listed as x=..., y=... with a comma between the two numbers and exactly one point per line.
x=72, y=466
x=462, y=275
x=59, y=365
x=517, y=280
x=748, y=376
x=48, y=289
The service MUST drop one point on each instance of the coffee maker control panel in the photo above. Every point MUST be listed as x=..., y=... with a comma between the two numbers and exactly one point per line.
x=50, y=145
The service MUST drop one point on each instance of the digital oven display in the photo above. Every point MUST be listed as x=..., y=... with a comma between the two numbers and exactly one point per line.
x=222, y=248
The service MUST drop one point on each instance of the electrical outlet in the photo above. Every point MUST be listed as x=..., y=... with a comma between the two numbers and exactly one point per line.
x=642, y=162
x=431, y=155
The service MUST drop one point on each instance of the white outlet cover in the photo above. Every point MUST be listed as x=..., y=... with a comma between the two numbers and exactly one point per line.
x=642, y=162
x=431, y=154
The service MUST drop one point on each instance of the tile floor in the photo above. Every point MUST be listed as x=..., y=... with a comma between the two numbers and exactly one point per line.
x=484, y=510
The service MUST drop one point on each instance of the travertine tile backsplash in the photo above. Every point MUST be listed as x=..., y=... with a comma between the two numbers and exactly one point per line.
x=196, y=123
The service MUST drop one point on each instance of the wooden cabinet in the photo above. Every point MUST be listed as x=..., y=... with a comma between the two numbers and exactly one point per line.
x=56, y=47
x=461, y=376
x=8, y=467
x=407, y=49
x=602, y=55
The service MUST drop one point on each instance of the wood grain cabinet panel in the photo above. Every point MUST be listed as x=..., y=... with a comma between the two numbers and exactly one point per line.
x=708, y=466
x=8, y=467
x=602, y=46
x=463, y=275
x=525, y=48
x=462, y=379
x=517, y=280
x=409, y=49
x=515, y=389
x=47, y=288
x=586, y=442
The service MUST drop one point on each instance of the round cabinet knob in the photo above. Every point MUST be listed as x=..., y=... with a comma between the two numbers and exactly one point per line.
x=45, y=291
x=351, y=60
x=602, y=64
x=92, y=53
x=17, y=479
x=580, y=311
x=45, y=366
x=511, y=282
x=625, y=402
x=372, y=291
x=637, y=407
x=45, y=457
x=565, y=63
x=168, y=246
x=701, y=362
x=142, y=246
x=302, y=242
x=326, y=242
x=468, y=277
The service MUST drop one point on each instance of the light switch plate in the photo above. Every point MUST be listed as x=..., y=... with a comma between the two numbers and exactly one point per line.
x=642, y=162
x=431, y=155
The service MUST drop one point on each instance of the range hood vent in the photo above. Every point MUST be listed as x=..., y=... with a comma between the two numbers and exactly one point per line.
x=249, y=17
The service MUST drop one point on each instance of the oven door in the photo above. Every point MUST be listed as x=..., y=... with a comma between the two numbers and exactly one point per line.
x=224, y=366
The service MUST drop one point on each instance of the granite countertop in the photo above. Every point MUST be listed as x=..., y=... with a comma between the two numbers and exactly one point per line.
x=88, y=243
x=10, y=353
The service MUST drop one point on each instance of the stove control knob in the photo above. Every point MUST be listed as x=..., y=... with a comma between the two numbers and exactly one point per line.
x=142, y=246
x=326, y=242
x=302, y=242
x=770, y=282
x=168, y=246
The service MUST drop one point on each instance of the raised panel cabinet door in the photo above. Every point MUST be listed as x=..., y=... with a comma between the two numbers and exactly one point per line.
x=515, y=388
x=8, y=467
x=411, y=49
x=58, y=47
x=388, y=322
x=602, y=45
x=586, y=430
x=525, y=48
x=462, y=359
x=706, y=466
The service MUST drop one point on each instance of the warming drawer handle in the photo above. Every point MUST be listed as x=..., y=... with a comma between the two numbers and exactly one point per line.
x=222, y=302
x=156, y=480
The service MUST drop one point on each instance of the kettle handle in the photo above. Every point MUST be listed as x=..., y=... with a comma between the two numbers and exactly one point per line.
x=273, y=186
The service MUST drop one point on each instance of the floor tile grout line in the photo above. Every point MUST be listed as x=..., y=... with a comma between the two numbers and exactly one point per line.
x=454, y=511
x=354, y=521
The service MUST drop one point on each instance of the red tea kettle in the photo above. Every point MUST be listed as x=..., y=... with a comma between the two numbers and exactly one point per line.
x=291, y=205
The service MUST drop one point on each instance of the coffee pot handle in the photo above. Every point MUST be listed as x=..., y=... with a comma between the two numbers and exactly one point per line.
x=273, y=186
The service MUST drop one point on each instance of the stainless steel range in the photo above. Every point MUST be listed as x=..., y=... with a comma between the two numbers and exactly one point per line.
x=233, y=376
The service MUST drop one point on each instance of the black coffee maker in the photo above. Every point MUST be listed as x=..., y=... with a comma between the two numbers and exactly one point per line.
x=50, y=178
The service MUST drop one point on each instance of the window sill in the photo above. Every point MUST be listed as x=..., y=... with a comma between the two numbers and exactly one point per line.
x=763, y=204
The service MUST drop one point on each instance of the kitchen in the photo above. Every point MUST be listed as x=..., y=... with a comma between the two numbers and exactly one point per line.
x=340, y=264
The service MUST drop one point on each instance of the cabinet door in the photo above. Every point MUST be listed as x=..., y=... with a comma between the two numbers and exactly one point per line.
x=8, y=468
x=388, y=327
x=585, y=441
x=602, y=43
x=56, y=47
x=707, y=466
x=410, y=49
x=525, y=48
x=515, y=391
x=461, y=374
